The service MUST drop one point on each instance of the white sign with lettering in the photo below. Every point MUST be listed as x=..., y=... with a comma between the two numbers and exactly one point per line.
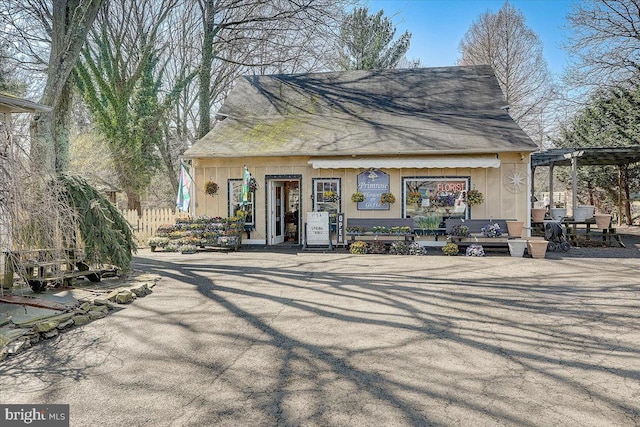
x=318, y=232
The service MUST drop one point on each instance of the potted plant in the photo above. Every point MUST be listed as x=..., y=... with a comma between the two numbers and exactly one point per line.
x=376, y=248
x=558, y=212
x=517, y=247
x=491, y=230
x=253, y=185
x=331, y=196
x=211, y=188
x=387, y=198
x=450, y=249
x=537, y=247
x=157, y=242
x=187, y=249
x=358, y=248
x=356, y=229
x=429, y=222
x=514, y=228
x=357, y=197
x=416, y=248
x=537, y=214
x=399, y=248
x=602, y=221
x=475, y=249
x=380, y=229
x=474, y=197
x=460, y=231
x=414, y=197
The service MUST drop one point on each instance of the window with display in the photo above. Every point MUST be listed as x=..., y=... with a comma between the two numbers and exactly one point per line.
x=235, y=202
x=435, y=197
x=326, y=196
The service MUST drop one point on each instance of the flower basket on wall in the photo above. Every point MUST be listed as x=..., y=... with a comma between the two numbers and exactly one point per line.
x=387, y=198
x=211, y=188
x=357, y=197
x=474, y=197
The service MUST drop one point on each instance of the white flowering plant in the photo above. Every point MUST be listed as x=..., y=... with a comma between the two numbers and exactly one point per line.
x=475, y=250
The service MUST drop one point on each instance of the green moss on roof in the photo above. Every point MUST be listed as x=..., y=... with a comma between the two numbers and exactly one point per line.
x=272, y=133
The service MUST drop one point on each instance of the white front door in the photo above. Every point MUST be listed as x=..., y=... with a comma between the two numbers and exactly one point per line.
x=276, y=213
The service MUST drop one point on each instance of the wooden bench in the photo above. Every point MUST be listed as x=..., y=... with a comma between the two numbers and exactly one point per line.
x=40, y=267
x=367, y=231
x=475, y=230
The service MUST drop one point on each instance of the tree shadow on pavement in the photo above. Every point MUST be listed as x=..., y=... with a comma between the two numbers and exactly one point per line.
x=344, y=338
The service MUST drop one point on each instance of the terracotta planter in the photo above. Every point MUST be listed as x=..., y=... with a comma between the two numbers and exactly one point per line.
x=515, y=228
x=603, y=221
x=537, y=214
x=537, y=248
x=517, y=247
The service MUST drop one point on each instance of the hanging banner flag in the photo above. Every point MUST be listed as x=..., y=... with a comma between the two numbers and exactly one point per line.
x=246, y=183
x=184, y=186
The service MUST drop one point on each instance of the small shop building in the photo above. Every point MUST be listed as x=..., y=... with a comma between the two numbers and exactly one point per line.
x=315, y=142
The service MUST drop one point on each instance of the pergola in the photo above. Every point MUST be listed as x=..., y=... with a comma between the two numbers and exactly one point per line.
x=585, y=156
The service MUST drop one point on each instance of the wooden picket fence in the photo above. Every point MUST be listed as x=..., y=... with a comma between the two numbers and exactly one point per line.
x=145, y=225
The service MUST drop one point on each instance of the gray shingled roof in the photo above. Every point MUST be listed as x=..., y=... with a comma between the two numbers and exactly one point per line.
x=411, y=111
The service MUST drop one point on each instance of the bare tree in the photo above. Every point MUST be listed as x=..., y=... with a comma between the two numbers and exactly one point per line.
x=605, y=42
x=260, y=36
x=59, y=28
x=514, y=51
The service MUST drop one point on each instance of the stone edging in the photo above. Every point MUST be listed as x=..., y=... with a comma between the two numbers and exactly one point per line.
x=15, y=338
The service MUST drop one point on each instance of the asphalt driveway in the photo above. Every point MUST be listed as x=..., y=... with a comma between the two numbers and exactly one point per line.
x=261, y=339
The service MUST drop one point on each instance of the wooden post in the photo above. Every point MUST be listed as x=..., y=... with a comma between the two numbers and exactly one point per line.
x=619, y=195
x=574, y=182
x=551, y=204
x=6, y=168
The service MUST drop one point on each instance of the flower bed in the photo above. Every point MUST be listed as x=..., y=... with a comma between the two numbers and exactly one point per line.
x=189, y=233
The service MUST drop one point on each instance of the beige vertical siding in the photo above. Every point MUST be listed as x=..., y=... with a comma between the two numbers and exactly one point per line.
x=499, y=201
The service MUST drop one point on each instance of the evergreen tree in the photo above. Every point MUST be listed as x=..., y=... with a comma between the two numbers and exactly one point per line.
x=366, y=42
x=611, y=120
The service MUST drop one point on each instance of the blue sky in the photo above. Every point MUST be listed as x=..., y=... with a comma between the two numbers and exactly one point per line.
x=437, y=26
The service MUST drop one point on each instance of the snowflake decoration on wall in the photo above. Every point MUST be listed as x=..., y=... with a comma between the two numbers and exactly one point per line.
x=516, y=181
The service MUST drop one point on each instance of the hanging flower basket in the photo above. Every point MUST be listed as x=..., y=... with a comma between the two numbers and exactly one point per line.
x=474, y=197
x=414, y=197
x=330, y=196
x=387, y=198
x=357, y=197
x=211, y=188
x=253, y=185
